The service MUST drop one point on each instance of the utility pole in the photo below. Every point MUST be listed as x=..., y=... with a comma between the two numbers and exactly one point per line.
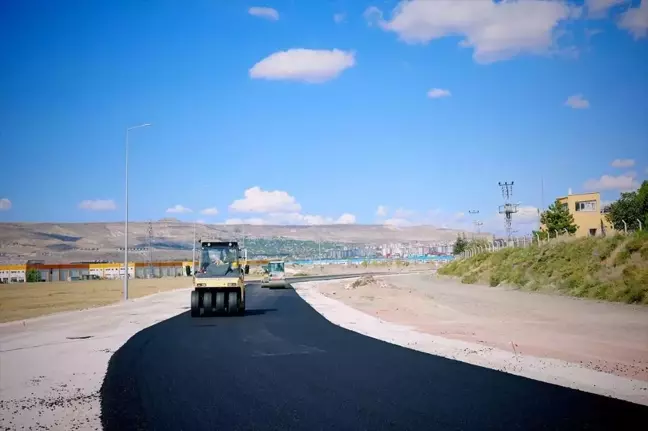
x=478, y=224
x=508, y=209
x=126, y=218
x=473, y=212
x=150, y=248
x=193, y=253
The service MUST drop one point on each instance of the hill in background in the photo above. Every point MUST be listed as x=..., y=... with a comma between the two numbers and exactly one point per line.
x=172, y=239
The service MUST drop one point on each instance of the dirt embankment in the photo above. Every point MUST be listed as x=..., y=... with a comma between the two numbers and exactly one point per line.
x=607, y=337
x=614, y=268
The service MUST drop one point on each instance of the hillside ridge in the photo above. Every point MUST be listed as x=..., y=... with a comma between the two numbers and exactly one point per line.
x=172, y=239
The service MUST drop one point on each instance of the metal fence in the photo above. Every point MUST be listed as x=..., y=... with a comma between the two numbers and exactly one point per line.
x=497, y=244
x=527, y=241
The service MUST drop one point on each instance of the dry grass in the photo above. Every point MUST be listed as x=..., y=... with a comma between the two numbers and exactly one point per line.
x=26, y=300
x=614, y=268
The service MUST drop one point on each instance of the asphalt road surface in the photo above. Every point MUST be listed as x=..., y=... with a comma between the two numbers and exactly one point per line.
x=283, y=366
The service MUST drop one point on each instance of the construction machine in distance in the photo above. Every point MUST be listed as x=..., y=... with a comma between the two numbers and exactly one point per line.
x=219, y=280
x=274, y=274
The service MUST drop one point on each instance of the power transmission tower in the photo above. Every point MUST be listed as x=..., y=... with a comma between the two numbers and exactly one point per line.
x=150, y=248
x=508, y=209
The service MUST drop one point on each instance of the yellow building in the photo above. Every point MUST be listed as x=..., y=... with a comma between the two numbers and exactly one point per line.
x=587, y=212
x=111, y=270
x=12, y=273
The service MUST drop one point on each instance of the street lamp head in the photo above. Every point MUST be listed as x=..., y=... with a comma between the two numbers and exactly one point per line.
x=141, y=125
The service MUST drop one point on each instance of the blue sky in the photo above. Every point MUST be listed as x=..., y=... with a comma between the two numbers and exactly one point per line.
x=340, y=123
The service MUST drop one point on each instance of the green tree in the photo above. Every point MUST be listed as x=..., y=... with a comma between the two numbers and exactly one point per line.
x=631, y=206
x=33, y=276
x=478, y=242
x=459, y=245
x=556, y=218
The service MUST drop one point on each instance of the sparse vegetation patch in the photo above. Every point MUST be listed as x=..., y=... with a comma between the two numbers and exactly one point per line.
x=614, y=268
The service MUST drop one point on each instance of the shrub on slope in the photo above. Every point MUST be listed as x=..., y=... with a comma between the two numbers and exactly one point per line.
x=614, y=268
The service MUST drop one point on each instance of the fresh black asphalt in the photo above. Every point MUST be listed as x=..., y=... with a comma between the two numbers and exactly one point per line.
x=283, y=366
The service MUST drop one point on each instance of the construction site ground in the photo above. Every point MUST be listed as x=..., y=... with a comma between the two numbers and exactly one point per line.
x=607, y=337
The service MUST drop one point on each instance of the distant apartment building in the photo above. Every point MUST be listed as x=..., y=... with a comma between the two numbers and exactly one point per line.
x=588, y=214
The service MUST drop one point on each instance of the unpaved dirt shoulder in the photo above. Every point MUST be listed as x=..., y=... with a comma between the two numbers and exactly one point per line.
x=52, y=367
x=511, y=331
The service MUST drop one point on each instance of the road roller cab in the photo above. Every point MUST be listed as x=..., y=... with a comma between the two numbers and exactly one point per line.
x=274, y=274
x=219, y=279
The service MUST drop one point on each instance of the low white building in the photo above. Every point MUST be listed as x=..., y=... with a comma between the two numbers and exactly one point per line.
x=12, y=273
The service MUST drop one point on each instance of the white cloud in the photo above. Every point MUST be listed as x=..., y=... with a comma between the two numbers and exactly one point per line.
x=577, y=101
x=262, y=201
x=635, y=20
x=402, y=213
x=339, y=17
x=5, y=204
x=623, y=163
x=98, y=205
x=624, y=182
x=460, y=215
x=306, y=65
x=436, y=93
x=278, y=208
x=496, y=31
x=209, y=211
x=264, y=12
x=178, y=209
x=381, y=211
x=599, y=8
x=373, y=15
x=293, y=218
x=436, y=217
x=346, y=218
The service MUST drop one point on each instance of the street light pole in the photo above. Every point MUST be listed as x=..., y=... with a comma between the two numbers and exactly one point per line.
x=126, y=218
x=193, y=258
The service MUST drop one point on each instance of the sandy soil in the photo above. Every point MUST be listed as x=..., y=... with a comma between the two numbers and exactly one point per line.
x=52, y=367
x=607, y=337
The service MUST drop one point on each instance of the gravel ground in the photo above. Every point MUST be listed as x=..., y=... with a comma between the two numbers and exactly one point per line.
x=598, y=347
x=52, y=367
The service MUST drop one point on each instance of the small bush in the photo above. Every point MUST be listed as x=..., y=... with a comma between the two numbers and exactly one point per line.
x=622, y=257
x=644, y=252
x=469, y=278
x=494, y=280
x=634, y=245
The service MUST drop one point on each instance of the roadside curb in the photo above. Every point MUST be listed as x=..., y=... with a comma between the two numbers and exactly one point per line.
x=547, y=370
